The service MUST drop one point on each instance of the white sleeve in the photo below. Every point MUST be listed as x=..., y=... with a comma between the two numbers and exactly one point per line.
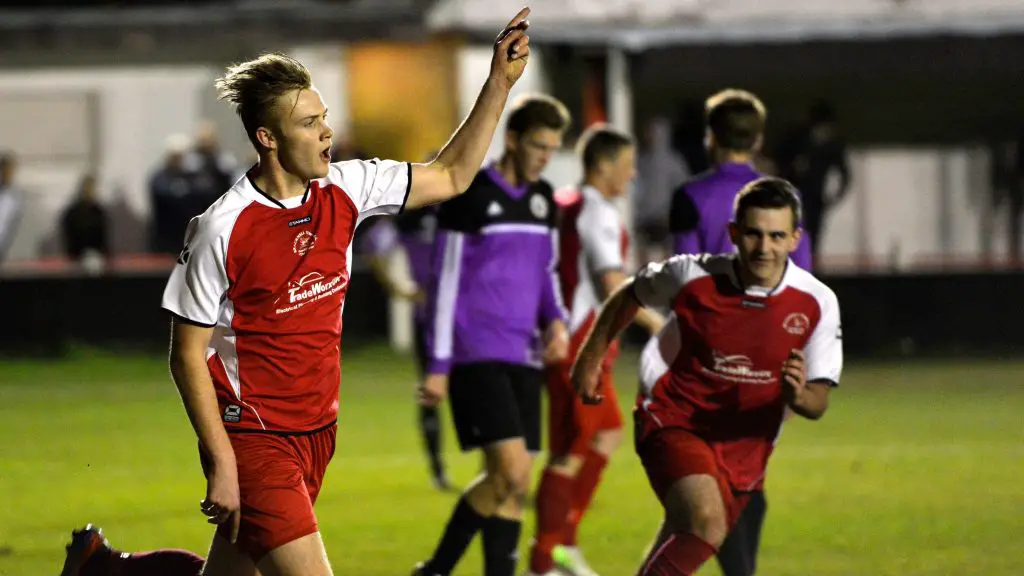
x=601, y=240
x=657, y=284
x=824, y=350
x=199, y=280
x=660, y=352
x=375, y=186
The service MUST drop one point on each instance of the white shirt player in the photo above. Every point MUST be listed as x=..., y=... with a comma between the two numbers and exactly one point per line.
x=602, y=248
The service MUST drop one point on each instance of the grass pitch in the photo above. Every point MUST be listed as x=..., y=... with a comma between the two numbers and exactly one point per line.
x=916, y=469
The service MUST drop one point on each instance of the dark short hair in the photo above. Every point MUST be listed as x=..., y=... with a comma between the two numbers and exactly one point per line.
x=601, y=142
x=736, y=118
x=768, y=192
x=254, y=87
x=535, y=111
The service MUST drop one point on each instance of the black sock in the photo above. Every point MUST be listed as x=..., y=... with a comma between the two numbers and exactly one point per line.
x=501, y=542
x=462, y=527
x=430, y=426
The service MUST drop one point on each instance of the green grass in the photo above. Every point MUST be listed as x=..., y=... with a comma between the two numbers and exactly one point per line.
x=916, y=469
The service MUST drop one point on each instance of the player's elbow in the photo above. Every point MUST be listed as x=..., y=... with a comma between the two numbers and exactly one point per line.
x=453, y=176
x=815, y=410
x=181, y=364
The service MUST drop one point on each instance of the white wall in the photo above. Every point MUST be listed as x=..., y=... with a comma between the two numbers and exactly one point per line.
x=137, y=109
x=909, y=206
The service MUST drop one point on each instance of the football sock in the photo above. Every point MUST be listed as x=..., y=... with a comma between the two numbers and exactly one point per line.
x=681, y=555
x=156, y=563
x=583, y=492
x=463, y=525
x=732, y=554
x=554, y=499
x=430, y=427
x=501, y=540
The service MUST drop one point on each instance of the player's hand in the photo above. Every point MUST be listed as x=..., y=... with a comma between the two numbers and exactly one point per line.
x=223, y=503
x=794, y=376
x=511, y=50
x=433, y=389
x=556, y=343
x=586, y=377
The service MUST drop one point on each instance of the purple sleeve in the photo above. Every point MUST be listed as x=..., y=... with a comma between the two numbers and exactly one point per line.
x=382, y=238
x=442, y=296
x=802, y=255
x=551, y=307
x=686, y=242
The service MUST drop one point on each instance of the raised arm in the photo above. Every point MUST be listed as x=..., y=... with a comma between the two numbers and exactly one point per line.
x=451, y=173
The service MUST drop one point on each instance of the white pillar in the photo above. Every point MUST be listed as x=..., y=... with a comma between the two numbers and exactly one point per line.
x=620, y=115
x=620, y=91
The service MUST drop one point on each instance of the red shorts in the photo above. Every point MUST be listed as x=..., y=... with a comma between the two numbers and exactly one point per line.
x=279, y=478
x=670, y=454
x=572, y=424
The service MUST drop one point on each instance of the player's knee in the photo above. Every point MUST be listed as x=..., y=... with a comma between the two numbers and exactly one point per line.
x=707, y=520
x=608, y=441
x=512, y=481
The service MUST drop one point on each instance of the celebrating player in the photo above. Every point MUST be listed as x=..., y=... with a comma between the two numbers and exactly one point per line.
x=256, y=299
x=752, y=336
x=593, y=243
x=494, y=271
x=699, y=222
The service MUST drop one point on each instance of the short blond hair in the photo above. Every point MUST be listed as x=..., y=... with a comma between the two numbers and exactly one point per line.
x=253, y=87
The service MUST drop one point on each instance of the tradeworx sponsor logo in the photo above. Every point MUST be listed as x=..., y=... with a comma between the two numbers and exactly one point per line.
x=310, y=288
x=737, y=368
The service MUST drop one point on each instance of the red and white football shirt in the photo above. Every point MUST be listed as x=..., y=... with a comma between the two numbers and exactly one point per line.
x=593, y=241
x=270, y=277
x=715, y=369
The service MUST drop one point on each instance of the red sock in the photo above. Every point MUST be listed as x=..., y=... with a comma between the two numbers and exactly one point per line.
x=681, y=555
x=156, y=563
x=554, y=498
x=583, y=492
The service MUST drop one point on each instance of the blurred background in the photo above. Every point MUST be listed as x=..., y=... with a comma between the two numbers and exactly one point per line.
x=901, y=121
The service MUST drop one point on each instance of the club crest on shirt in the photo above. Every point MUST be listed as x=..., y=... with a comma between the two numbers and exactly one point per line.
x=796, y=324
x=304, y=242
x=539, y=206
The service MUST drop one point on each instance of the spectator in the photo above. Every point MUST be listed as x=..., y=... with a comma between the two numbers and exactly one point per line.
x=170, y=188
x=84, y=226
x=660, y=170
x=807, y=159
x=211, y=169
